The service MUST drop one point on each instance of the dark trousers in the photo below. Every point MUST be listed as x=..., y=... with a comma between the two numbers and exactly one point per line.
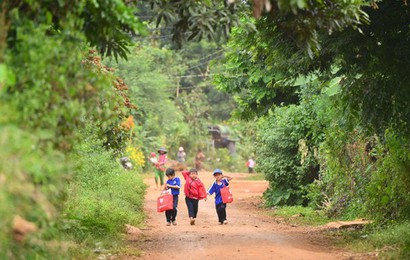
x=221, y=211
x=172, y=214
x=192, y=205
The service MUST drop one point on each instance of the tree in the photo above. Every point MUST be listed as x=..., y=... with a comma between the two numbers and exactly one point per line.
x=270, y=60
x=107, y=25
x=364, y=68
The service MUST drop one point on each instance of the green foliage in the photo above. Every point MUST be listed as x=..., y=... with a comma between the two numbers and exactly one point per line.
x=348, y=90
x=194, y=108
x=49, y=84
x=396, y=236
x=160, y=121
x=256, y=177
x=299, y=215
x=195, y=20
x=6, y=76
x=376, y=84
x=103, y=196
x=245, y=132
x=258, y=80
x=262, y=65
x=389, y=187
x=107, y=25
x=43, y=89
x=389, y=242
x=30, y=187
x=116, y=21
x=187, y=103
x=285, y=157
x=220, y=158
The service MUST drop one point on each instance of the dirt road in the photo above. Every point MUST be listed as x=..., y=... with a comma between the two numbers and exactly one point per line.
x=249, y=234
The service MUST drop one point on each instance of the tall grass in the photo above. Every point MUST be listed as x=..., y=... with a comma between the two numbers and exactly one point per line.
x=102, y=196
x=388, y=242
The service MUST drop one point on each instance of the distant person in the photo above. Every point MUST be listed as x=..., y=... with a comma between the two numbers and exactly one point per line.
x=173, y=183
x=199, y=159
x=194, y=191
x=181, y=155
x=220, y=182
x=160, y=166
x=154, y=160
x=250, y=164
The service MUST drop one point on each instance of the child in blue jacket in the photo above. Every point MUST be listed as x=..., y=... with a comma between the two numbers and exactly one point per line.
x=220, y=182
x=173, y=183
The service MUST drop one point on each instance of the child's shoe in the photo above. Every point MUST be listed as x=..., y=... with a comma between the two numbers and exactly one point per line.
x=220, y=223
x=174, y=223
x=225, y=222
x=168, y=223
x=192, y=222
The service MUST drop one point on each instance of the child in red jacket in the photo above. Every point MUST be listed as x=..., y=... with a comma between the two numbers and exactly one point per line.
x=194, y=191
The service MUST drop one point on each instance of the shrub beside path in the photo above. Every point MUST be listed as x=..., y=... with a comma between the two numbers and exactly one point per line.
x=249, y=234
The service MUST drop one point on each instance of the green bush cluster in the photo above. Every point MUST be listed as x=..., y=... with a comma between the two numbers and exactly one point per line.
x=30, y=188
x=222, y=159
x=312, y=153
x=102, y=196
x=391, y=241
x=49, y=84
x=395, y=235
x=388, y=189
x=285, y=156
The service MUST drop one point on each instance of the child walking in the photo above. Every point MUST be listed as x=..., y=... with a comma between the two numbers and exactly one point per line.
x=194, y=191
x=160, y=166
x=220, y=182
x=173, y=183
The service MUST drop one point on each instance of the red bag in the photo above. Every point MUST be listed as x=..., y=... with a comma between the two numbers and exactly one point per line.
x=201, y=193
x=226, y=195
x=165, y=202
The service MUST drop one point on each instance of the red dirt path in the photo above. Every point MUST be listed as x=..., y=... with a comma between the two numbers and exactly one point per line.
x=249, y=234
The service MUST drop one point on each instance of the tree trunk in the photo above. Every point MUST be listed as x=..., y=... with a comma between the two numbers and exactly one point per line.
x=4, y=27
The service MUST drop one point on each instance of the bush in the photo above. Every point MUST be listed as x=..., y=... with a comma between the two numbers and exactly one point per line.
x=390, y=241
x=103, y=196
x=285, y=155
x=30, y=187
x=388, y=190
x=220, y=158
x=396, y=236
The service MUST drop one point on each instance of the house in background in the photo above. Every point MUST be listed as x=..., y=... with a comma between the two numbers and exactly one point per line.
x=223, y=137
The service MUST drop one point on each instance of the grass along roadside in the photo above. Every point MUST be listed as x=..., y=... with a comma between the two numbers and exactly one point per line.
x=386, y=242
x=101, y=198
x=298, y=215
x=255, y=177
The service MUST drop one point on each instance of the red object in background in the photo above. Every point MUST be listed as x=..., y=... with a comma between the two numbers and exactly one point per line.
x=226, y=195
x=165, y=202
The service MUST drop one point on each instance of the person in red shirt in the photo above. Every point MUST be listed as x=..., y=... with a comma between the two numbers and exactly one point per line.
x=194, y=191
x=160, y=166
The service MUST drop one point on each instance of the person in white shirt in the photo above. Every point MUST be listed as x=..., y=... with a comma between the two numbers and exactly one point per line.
x=251, y=165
